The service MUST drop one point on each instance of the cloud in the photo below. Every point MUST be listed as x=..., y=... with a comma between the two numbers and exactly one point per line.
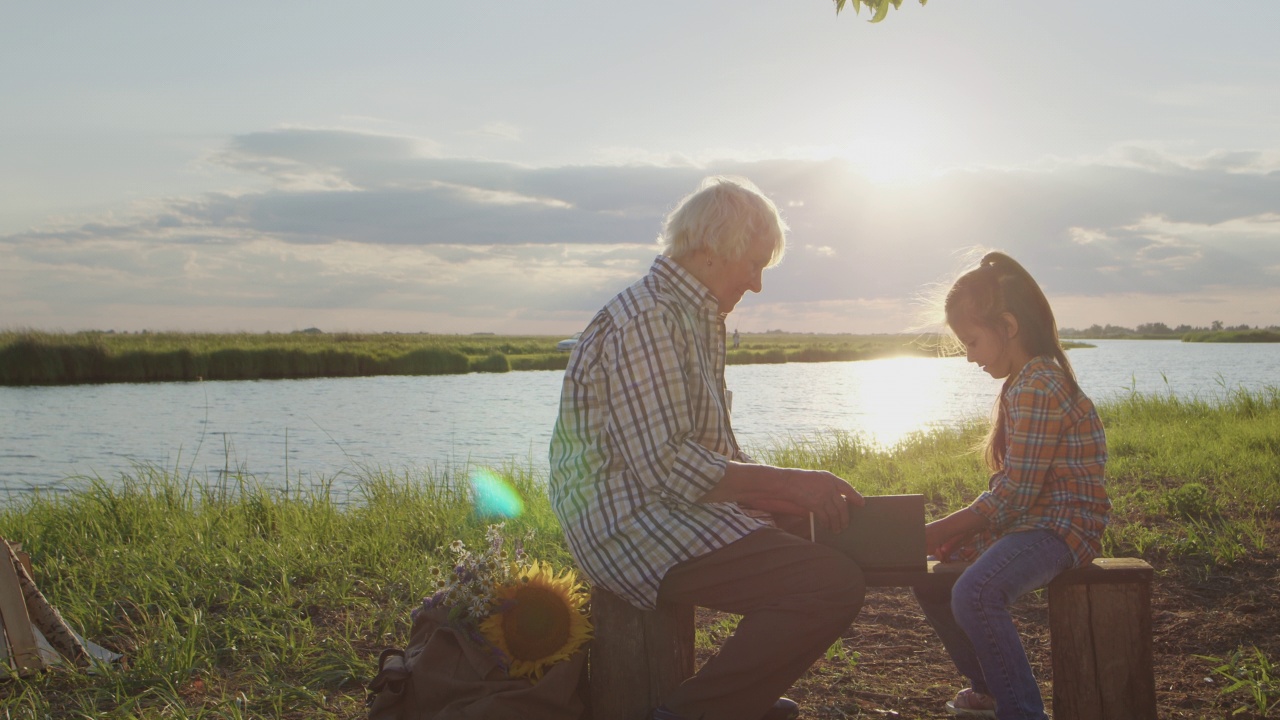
x=354, y=224
x=500, y=131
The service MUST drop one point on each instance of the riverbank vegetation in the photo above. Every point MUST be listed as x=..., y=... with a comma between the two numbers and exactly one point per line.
x=39, y=358
x=31, y=357
x=234, y=598
x=1234, y=336
x=1216, y=332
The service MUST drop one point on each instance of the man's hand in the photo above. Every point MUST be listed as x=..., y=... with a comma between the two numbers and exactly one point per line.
x=823, y=494
x=788, y=491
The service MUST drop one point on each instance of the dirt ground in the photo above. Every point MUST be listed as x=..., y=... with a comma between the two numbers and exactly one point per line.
x=902, y=671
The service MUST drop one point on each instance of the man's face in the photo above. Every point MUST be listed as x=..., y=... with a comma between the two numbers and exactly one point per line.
x=732, y=279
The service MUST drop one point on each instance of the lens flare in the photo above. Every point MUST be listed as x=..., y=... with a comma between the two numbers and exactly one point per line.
x=494, y=496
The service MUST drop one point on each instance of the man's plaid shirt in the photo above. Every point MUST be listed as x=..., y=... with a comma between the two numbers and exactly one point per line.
x=643, y=432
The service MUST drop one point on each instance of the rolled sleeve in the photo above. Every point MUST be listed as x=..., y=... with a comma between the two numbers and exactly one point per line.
x=696, y=471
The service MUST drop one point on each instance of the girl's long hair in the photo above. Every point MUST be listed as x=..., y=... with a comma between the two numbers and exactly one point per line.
x=981, y=296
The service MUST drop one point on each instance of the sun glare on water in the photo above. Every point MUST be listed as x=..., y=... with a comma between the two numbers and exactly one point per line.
x=900, y=396
x=907, y=395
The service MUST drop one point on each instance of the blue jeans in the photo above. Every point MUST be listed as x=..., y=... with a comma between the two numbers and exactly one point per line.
x=975, y=626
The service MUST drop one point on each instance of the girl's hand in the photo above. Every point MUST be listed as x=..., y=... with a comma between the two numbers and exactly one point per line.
x=940, y=545
x=936, y=538
x=941, y=537
x=946, y=549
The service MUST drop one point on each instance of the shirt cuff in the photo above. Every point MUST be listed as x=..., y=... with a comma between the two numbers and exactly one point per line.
x=989, y=506
x=695, y=472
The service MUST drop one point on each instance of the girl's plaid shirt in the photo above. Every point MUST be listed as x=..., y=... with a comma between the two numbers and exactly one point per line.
x=1054, y=469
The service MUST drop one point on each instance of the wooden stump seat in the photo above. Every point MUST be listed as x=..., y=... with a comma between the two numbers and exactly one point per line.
x=1099, y=639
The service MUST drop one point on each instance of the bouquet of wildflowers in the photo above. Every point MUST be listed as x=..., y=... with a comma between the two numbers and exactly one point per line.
x=532, y=616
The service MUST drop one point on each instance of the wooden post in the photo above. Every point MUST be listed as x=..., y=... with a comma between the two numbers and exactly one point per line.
x=1100, y=640
x=13, y=613
x=637, y=657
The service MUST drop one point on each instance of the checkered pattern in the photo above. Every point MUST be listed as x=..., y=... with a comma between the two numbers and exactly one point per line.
x=643, y=432
x=1053, y=474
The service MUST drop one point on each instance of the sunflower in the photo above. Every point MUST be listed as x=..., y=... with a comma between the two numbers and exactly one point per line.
x=537, y=620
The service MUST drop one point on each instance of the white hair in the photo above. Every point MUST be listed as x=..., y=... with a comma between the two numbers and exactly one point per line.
x=723, y=216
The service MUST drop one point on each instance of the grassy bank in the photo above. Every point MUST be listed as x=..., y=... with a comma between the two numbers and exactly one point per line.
x=766, y=348
x=1233, y=336
x=38, y=358
x=235, y=600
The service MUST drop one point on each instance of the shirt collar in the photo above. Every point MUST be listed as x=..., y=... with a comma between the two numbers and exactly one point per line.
x=1037, y=361
x=684, y=285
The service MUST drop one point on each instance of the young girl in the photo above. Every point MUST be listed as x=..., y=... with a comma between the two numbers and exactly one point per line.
x=1046, y=507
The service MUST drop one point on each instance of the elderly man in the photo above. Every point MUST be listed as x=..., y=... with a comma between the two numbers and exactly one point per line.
x=656, y=498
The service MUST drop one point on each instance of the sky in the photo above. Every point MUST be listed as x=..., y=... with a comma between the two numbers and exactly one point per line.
x=458, y=167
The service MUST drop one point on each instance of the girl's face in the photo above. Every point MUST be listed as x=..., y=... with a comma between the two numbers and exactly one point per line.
x=998, y=353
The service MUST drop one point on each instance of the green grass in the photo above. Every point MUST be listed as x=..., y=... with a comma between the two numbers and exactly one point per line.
x=230, y=599
x=1251, y=675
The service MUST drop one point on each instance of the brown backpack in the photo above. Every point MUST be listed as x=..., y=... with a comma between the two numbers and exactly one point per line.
x=443, y=674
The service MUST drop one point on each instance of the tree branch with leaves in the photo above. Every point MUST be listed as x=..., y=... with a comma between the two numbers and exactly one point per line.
x=880, y=8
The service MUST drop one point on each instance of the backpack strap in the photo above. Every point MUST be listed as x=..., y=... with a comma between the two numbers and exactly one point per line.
x=393, y=670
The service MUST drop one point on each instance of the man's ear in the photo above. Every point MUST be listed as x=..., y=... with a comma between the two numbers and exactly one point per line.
x=1011, y=324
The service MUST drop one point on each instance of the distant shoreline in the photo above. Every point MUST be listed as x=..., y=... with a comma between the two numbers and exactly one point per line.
x=1212, y=336
x=38, y=358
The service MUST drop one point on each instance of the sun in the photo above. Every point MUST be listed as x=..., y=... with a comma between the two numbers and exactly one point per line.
x=892, y=137
x=537, y=620
x=887, y=158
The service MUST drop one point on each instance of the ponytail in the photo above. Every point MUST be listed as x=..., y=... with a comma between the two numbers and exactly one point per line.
x=981, y=296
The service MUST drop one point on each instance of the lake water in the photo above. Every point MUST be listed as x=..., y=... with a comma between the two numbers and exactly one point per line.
x=337, y=428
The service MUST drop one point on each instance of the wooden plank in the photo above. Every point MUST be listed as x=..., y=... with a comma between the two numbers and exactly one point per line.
x=46, y=618
x=936, y=574
x=4, y=650
x=637, y=657
x=1100, y=572
x=17, y=624
x=24, y=558
x=1103, y=571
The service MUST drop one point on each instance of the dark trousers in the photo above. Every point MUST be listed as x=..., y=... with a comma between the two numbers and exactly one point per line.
x=796, y=598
